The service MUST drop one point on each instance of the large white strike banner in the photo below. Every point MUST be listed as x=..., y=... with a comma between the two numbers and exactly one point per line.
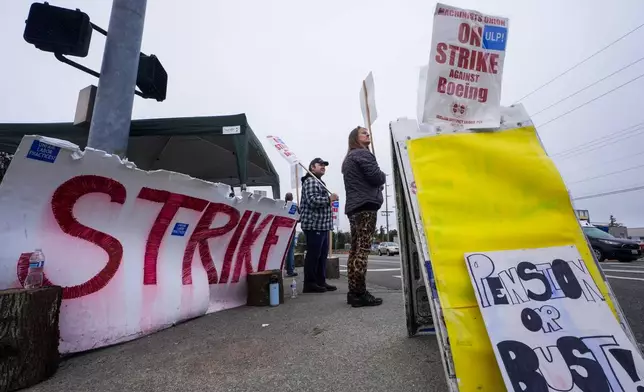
x=465, y=68
x=134, y=251
x=550, y=328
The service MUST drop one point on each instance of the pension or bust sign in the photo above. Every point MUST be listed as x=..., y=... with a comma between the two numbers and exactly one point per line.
x=549, y=324
x=465, y=68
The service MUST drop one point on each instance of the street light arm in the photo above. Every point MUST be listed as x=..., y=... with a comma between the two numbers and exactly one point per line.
x=83, y=68
x=74, y=64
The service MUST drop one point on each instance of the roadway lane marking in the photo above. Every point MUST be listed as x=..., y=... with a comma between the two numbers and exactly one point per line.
x=624, y=277
x=396, y=262
x=378, y=270
x=625, y=271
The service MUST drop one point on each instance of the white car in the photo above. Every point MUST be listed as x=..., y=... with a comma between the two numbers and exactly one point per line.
x=388, y=248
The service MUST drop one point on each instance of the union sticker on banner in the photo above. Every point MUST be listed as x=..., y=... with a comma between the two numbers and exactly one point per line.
x=550, y=327
x=465, y=68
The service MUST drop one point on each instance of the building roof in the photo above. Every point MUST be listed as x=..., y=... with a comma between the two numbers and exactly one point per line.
x=636, y=232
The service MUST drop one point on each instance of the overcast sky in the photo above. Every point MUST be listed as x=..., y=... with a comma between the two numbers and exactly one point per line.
x=296, y=67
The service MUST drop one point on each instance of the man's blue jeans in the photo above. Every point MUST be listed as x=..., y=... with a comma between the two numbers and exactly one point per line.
x=290, y=257
x=317, y=251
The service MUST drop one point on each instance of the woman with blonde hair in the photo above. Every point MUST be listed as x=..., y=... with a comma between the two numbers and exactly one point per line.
x=363, y=182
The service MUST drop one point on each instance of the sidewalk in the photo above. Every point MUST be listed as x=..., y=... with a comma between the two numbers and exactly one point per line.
x=315, y=342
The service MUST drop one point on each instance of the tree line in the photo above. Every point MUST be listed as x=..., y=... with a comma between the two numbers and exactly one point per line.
x=342, y=239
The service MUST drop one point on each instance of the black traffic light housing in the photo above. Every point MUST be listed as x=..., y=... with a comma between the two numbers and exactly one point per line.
x=68, y=32
x=58, y=30
x=151, y=78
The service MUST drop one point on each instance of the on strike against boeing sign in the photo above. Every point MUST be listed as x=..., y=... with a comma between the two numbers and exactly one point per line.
x=465, y=68
x=549, y=324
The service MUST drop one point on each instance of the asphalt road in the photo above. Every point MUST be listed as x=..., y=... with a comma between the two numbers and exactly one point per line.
x=383, y=271
x=626, y=280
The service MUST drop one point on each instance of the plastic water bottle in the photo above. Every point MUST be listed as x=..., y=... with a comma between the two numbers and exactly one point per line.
x=36, y=266
x=293, y=288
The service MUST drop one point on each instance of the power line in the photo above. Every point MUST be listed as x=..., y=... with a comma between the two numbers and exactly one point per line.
x=612, y=160
x=615, y=192
x=592, y=100
x=600, y=141
x=640, y=131
x=589, y=86
x=606, y=175
x=580, y=63
x=607, y=143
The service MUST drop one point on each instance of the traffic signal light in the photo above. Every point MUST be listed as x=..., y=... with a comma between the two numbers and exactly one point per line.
x=58, y=30
x=151, y=78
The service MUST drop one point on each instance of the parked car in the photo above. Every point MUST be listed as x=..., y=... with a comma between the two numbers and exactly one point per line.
x=609, y=247
x=388, y=248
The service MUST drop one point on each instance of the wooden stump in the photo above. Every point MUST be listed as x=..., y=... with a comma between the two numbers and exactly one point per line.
x=258, y=287
x=299, y=260
x=333, y=268
x=29, y=336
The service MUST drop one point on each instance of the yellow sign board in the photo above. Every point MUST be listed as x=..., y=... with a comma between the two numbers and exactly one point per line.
x=487, y=191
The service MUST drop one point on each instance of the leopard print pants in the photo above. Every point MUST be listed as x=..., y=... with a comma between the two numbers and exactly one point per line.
x=363, y=225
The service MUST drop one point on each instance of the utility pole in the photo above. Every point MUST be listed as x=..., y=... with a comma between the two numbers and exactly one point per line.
x=110, y=128
x=386, y=212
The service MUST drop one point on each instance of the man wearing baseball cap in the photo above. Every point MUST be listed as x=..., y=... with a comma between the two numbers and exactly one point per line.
x=316, y=219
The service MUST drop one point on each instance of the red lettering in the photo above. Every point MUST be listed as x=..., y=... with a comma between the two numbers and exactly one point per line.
x=62, y=206
x=272, y=239
x=172, y=203
x=244, y=255
x=232, y=247
x=464, y=33
x=441, y=57
x=475, y=38
x=453, y=50
x=441, y=84
x=463, y=58
x=481, y=61
x=494, y=63
x=200, y=236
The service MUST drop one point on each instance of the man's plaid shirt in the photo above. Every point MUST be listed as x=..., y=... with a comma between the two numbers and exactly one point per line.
x=315, y=207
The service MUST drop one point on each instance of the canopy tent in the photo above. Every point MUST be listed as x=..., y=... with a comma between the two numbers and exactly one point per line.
x=196, y=146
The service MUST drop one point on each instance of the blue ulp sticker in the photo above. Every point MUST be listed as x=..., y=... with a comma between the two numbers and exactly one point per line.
x=495, y=37
x=43, y=152
x=180, y=229
x=293, y=209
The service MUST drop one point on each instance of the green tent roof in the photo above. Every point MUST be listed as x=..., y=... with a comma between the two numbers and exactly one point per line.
x=191, y=145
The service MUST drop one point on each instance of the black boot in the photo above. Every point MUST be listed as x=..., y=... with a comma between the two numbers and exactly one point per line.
x=329, y=287
x=352, y=297
x=366, y=299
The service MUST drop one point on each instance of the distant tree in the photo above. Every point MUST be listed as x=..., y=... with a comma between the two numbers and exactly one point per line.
x=381, y=234
x=5, y=160
x=300, y=245
x=393, y=233
x=613, y=222
x=342, y=238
